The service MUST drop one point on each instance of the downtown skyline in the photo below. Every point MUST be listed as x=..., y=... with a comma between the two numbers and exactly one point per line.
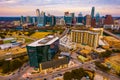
x=58, y=7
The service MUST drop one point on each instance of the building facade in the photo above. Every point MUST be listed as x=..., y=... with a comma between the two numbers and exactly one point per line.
x=88, y=20
x=42, y=50
x=92, y=12
x=84, y=37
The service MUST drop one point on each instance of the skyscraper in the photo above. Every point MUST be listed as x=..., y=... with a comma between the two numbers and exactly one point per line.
x=22, y=20
x=88, y=21
x=92, y=12
x=108, y=22
x=38, y=15
x=37, y=12
x=93, y=22
x=97, y=17
x=28, y=19
x=67, y=18
x=80, y=15
x=41, y=18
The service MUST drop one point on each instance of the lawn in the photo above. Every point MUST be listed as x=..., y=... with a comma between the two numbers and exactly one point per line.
x=38, y=35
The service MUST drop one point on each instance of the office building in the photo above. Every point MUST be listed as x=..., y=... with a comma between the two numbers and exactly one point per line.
x=50, y=20
x=92, y=12
x=93, y=22
x=22, y=20
x=28, y=19
x=85, y=37
x=62, y=21
x=41, y=18
x=80, y=15
x=33, y=20
x=66, y=14
x=68, y=18
x=80, y=19
x=97, y=17
x=42, y=50
x=72, y=15
x=108, y=22
x=38, y=15
x=88, y=21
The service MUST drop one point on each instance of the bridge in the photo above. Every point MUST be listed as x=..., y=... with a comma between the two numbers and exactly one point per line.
x=111, y=34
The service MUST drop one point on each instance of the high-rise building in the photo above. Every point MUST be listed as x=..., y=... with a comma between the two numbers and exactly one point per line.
x=80, y=15
x=93, y=22
x=33, y=20
x=72, y=15
x=22, y=20
x=85, y=37
x=38, y=15
x=42, y=50
x=88, y=21
x=80, y=19
x=92, y=12
x=28, y=19
x=97, y=17
x=62, y=21
x=108, y=22
x=68, y=18
x=41, y=18
x=66, y=14
x=51, y=20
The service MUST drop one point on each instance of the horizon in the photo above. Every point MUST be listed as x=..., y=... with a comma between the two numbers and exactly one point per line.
x=15, y=8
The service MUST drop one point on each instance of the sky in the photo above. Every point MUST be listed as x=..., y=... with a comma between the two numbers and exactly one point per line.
x=58, y=7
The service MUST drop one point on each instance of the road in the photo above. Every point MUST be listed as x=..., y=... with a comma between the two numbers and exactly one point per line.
x=111, y=34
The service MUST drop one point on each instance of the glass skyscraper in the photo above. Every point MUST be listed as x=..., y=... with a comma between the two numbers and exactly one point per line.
x=97, y=17
x=92, y=12
x=42, y=50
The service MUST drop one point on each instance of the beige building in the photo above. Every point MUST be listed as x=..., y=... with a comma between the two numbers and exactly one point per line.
x=88, y=21
x=85, y=37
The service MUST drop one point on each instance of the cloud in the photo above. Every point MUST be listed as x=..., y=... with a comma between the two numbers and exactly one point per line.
x=57, y=7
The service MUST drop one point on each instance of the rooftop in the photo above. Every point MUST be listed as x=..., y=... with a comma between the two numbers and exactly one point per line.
x=86, y=31
x=44, y=41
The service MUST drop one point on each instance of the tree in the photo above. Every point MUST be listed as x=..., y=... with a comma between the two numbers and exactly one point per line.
x=16, y=63
x=102, y=67
x=6, y=67
x=105, y=54
x=67, y=76
x=1, y=62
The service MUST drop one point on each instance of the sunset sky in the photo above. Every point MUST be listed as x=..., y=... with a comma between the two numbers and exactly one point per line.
x=58, y=7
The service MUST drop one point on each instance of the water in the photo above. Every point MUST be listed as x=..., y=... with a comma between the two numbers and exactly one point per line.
x=118, y=35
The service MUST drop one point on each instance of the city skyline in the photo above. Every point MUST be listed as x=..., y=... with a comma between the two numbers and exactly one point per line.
x=58, y=7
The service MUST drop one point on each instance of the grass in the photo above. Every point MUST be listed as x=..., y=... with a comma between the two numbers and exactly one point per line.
x=38, y=35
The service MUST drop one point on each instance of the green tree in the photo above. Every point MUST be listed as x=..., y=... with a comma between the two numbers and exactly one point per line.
x=102, y=67
x=14, y=64
x=67, y=76
x=6, y=67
